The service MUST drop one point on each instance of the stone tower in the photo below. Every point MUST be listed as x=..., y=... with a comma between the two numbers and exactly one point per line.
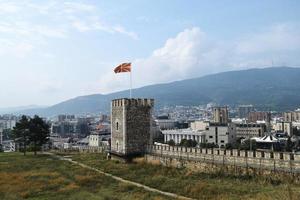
x=220, y=115
x=130, y=126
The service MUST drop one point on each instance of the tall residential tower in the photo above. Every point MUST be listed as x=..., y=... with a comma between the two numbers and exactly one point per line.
x=220, y=115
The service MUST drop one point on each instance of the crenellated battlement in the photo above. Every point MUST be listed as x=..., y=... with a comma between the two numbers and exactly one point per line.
x=274, y=161
x=132, y=102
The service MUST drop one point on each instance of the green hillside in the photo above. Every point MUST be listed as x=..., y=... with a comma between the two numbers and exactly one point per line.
x=268, y=88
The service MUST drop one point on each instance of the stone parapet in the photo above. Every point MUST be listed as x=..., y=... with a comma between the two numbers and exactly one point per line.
x=235, y=152
x=280, y=161
x=132, y=102
x=243, y=153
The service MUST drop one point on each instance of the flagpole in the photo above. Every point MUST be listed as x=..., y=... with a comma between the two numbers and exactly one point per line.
x=130, y=83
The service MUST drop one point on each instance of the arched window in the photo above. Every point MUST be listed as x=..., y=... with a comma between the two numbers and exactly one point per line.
x=117, y=126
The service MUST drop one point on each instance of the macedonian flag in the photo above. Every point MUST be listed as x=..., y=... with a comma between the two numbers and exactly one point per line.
x=124, y=67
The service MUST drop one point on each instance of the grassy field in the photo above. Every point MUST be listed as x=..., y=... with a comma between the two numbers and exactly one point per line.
x=43, y=177
x=192, y=184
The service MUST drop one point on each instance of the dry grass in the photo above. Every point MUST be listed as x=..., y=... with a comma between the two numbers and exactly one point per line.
x=194, y=184
x=39, y=177
x=69, y=187
x=138, y=160
x=45, y=178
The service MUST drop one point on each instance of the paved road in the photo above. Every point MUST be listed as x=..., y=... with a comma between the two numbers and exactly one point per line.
x=120, y=179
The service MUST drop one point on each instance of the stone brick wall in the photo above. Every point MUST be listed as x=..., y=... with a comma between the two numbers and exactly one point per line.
x=117, y=133
x=138, y=124
x=131, y=123
x=277, y=161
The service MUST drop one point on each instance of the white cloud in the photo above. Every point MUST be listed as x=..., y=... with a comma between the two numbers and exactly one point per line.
x=280, y=37
x=192, y=53
x=186, y=55
x=34, y=23
x=8, y=7
x=94, y=24
x=50, y=32
x=20, y=38
x=122, y=30
x=80, y=26
x=74, y=7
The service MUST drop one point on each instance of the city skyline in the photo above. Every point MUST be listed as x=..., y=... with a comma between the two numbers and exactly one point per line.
x=56, y=50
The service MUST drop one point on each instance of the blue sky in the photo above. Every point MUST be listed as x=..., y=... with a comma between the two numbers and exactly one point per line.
x=54, y=50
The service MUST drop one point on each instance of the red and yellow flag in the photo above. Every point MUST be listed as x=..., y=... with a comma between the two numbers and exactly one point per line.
x=124, y=67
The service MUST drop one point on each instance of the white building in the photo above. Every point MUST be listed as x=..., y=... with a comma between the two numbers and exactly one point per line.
x=285, y=127
x=212, y=133
x=8, y=146
x=165, y=124
x=247, y=130
x=67, y=145
x=7, y=123
x=178, y=134
x=239, y=120
x=94, y=140
x=220, y=135
x=199, y=125
x=57, y=141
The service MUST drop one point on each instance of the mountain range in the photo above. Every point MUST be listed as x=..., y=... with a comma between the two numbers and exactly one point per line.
x=275, y=88
x=20, y=108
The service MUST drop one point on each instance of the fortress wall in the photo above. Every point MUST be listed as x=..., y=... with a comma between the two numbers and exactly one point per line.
x=205, y=165
x=269, y=161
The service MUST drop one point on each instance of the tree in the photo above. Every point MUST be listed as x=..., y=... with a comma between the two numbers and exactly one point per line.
x=188, y=143
x=208, y=145
x=39, y=133
x=20, y=133
x=228, y=146
x=289, y=145
x=296, y=131
x=191, y=143
x=171, y=143
x=248, y=145
x=183, y=142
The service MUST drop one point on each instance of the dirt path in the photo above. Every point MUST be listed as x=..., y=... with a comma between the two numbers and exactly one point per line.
x=119, y=178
